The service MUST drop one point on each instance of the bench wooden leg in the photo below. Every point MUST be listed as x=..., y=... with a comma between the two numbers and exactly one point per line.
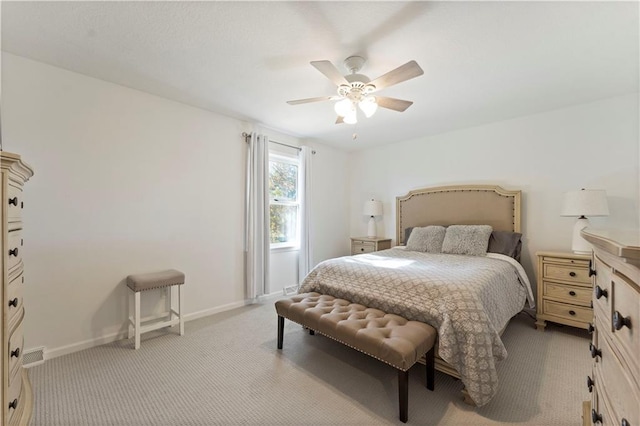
x=403, y=394
x=280, y=331
x=431, y=368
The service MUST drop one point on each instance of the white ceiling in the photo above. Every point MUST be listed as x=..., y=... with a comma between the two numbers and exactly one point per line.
x=483, y=61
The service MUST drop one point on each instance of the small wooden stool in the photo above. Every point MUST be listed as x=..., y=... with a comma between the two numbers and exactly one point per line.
x=141, y=282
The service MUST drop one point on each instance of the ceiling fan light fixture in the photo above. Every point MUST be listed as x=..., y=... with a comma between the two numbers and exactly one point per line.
x=351, y=118
x=368, y=105
x=343, y=107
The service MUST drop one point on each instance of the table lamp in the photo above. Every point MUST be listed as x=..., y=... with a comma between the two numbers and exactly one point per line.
x=372, y=208
x=583, y=203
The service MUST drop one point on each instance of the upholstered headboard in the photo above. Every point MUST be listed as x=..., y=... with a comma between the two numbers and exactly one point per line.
x=458, y=205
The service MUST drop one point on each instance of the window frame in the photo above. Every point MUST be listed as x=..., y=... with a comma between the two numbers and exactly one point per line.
x=294, y=159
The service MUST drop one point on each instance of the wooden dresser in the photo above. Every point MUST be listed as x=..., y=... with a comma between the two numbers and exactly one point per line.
x=614, y=381
x=564, y=289
x=17, y=399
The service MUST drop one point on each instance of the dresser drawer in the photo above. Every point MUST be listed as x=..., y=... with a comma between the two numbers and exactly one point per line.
x=626, y=307
x=14, y=299
x=14, y=353
x=13, y=398
x=568, y=293
x=571, y=273
x=14, y=201
x=570, y=312
x=14, y=250
x=363, y=247
x=615, y=386
x=602, y=289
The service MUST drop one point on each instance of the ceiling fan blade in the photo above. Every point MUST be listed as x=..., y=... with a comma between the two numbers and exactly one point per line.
x=339, y=120
x=403, y=73
x=330, y=71
x=307, y=100
x=392, y=103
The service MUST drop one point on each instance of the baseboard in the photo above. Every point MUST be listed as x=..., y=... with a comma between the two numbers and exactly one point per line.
x=113, y=337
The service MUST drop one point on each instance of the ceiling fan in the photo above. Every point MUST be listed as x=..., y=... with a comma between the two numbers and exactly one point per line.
x=356, y=89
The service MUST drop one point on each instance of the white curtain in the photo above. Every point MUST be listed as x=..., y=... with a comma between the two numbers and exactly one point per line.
x=304, y=259
x=257, y=217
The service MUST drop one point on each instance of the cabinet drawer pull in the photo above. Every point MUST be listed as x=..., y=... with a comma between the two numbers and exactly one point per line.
x=600, y=292
x=590, y=384
x=594, y=351
x=13, y=201
x=572, y=312
x=595, y=417
x=14, y=252
x=13, y=302
x=591, y=328
x=572, y=274
x=620, y=321
x=592, y=272
x=362, y=249
x=15, y=353
x=13, y=404
x=625, y=422
x=572, y=293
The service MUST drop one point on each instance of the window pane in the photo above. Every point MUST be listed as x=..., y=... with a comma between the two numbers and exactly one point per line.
x=284, y=224
x=283, y=180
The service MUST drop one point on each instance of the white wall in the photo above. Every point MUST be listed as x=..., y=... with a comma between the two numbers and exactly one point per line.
x=125, y=182
x=592, y=146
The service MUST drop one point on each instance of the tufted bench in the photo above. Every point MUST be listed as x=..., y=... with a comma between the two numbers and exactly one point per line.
x=386, y=337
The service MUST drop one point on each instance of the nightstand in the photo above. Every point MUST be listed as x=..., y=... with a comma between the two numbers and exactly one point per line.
x=361, y=245
x=564, y=290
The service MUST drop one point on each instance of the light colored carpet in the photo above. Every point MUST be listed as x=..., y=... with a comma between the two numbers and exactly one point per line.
x=227, y=370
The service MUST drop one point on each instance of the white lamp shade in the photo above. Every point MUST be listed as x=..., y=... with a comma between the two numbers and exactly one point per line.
x=343, y=107
x=372, y=208
x=586, y=202
x=368, y=105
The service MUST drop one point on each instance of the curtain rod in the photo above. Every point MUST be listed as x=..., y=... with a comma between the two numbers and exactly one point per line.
x=248, y=135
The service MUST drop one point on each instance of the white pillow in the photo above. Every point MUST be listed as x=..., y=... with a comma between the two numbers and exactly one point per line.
x=467, y=239
x=428, y=239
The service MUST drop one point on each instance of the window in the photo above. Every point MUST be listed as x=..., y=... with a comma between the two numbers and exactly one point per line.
x=284, y=203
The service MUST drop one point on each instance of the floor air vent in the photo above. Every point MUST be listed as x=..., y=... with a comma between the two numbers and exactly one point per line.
x=33, y=357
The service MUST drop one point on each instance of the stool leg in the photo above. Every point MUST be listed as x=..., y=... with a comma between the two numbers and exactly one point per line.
x=130, y=328
x=169, y=303
x=180, y=306
x=136, y=319
x=403, y=394
x=431, y=368
x=280, y=331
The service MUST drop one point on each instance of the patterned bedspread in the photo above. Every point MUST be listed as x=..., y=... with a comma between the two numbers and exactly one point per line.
x=468, y=299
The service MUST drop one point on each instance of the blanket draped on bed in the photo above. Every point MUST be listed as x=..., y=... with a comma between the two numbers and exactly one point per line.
x=468, y=299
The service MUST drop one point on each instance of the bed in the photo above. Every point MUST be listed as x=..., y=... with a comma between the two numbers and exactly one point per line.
x=468, y=299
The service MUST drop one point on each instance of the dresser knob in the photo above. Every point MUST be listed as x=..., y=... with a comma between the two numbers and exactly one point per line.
x=600, y=292
x=625, y=422
x=572, y=274
x=15, y=353
x=590, y=328
x=590, y=384
x=572, y=293
x=594, y=351
x=13, y=302
x=595, y=417
x=14, y=252
x=13, y=201
x=13, y=404
x=619, y=321
x=572, y=313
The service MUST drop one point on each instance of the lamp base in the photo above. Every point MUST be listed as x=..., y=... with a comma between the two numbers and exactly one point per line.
x=579, y=245
x=371, y=228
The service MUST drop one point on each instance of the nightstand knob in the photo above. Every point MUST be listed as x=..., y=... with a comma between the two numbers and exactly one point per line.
x=600, y=292
x=592, y=272
x=362, y=249
x=13, y=404
x=595, y=417
x=13, y=201
x=572, y=274
x=591, y=328
x=590, y=384
x=572, y=313
x=594, y=351
x=572, y=293
x=619, y=321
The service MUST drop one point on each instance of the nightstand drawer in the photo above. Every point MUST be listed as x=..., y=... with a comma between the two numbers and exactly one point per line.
x=363, y=247
x=568, y=293
x=575, y=274
x=570, y=312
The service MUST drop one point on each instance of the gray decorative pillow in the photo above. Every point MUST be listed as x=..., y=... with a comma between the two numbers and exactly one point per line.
x=506, y=242
x=428, y=239
x=467, y=239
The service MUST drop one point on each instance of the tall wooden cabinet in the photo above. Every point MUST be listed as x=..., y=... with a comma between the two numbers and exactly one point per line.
x=614, y=381
x=17, y=399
